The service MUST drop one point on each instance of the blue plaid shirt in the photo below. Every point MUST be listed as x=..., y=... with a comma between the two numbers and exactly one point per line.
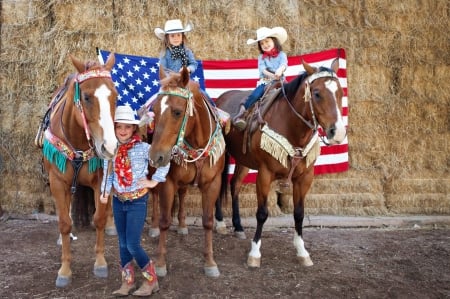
x=138, y=155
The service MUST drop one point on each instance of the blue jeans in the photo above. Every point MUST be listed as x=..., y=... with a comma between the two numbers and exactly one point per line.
x=129, y=217
x=254, y=96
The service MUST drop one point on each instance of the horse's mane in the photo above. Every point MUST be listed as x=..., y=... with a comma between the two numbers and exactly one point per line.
x=295, y=83
x=292, y=86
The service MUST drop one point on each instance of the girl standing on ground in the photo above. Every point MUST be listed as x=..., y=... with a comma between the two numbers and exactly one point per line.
x=127, y=180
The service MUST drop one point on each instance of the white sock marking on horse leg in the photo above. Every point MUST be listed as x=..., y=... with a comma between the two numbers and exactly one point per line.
x=300, y=246
x=255, y=252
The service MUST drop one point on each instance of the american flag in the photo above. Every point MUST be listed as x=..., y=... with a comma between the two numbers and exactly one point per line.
x=137, y=78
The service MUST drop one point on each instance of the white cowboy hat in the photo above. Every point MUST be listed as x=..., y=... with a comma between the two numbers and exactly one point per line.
x=173, y=26
x=264, y=32
x=124, y=114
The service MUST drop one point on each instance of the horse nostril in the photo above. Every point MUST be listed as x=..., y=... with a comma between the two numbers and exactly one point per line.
x=331, y=132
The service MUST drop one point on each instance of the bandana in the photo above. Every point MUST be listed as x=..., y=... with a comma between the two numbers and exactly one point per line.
x=178, y=52
x=123, y=164
x=271, y=54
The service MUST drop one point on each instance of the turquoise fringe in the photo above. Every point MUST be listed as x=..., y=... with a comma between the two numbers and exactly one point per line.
x=52, y=154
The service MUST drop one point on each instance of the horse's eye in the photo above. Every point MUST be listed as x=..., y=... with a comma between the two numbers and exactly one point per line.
x=316, y=94
x=177, y=113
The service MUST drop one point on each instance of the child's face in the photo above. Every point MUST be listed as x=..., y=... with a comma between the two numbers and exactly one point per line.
x=124, y=131
x=175, y=39
x=267, y=44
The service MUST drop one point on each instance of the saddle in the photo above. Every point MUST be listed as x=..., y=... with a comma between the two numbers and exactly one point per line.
x=255, y=115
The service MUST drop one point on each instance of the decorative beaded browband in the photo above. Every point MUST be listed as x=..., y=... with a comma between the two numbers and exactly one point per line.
x=98, y=73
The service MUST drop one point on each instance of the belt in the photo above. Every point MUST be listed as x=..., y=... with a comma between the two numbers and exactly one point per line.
x=124, y=196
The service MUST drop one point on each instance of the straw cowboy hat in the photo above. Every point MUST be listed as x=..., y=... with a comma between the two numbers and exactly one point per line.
x=173, y=26
x=264, y=32
x=124, y=114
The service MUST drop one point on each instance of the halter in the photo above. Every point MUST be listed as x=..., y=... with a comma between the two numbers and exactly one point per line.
x=80, y=78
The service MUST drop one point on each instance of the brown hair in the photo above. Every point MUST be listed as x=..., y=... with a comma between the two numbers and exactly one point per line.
x=276, y=44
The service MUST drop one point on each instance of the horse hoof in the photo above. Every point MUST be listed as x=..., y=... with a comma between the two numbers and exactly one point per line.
x=63, y=281
x=305, y=261
x=221, y=228
x=161, y=271
x=101, y=271
x=111, y=231
x=253, y=262
x=182, y=230
x=240, y=235
x=212, y=271
x=153, y=232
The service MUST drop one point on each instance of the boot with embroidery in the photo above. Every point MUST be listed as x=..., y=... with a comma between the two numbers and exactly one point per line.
x=150, y=284
x=239, y=121
x=127, y=281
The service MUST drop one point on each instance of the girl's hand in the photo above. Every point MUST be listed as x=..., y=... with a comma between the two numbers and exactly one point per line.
x=279, y=72
x=104, y=199
x=146, y=183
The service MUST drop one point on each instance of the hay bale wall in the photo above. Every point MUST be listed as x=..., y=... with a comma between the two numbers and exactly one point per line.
x=398, y=72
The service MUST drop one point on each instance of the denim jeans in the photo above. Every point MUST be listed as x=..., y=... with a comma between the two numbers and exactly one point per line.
x=129, y=217
x=254, y=96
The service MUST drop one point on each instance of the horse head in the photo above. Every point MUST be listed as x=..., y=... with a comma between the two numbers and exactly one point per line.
x=172, y=107
x=324, y=92
x=95, y=97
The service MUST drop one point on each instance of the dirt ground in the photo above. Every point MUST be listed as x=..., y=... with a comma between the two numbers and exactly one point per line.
x=348, y=263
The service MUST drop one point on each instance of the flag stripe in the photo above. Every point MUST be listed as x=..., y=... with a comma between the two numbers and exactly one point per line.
x=137, y=79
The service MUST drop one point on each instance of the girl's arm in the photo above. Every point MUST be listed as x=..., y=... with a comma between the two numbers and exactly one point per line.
x=192, y=66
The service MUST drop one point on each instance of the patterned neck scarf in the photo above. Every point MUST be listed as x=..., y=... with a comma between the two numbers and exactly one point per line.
x=178, y=52
x=123, y=164
x=271, y=54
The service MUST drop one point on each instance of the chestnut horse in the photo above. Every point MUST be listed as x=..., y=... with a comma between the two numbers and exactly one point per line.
x=80, y=133
x=283, y=143
x=189, y=136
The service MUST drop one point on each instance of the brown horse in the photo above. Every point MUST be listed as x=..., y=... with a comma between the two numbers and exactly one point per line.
x=80, y=133
x=188, y=135
x=283, y=143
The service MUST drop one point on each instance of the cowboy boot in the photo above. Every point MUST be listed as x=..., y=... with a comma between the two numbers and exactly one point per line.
x=150, y=284
x=239, y=121
x=127, y=281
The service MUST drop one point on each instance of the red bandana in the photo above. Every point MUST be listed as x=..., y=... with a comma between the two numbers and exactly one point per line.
x=123, y=164
x=271, y=54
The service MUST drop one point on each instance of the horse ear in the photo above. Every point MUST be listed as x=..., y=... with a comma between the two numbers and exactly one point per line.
x=110, y=61
x=185, y=76
x=309, y=69
x=79, y=65
x=335, y=65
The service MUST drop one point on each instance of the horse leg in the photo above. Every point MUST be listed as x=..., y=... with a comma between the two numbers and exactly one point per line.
x=262, y=190
x=62, y=197
x=182, y=227
x=100, y=217
x=235, y=186
x=154, y=228
x=300, y=188
x=221, y=227
x=166, y=196
x=209, y=196
x=110, y=228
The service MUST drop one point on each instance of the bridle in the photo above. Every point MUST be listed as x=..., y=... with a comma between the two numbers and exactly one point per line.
x=310, y=79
